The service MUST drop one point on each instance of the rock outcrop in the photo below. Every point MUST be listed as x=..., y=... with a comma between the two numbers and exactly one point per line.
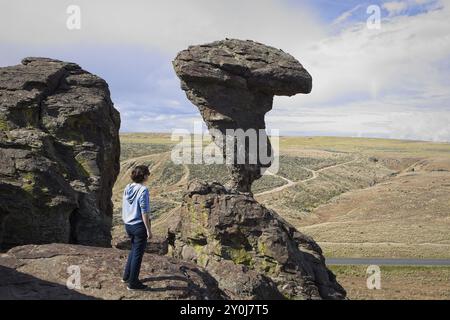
x=249, y=249
x=233, y=82
x=59, y=154
x=234, y=237
x=43, y=271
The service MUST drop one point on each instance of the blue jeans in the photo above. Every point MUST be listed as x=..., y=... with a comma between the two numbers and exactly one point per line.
x=138, y=235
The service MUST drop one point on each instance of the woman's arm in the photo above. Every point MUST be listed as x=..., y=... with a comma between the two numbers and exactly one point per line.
x=145, y=209
x=148, y=224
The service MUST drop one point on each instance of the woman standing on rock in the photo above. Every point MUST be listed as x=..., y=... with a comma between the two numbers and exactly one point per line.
x=136, y=216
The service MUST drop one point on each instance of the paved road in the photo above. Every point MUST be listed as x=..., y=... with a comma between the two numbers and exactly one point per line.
x=389, y=262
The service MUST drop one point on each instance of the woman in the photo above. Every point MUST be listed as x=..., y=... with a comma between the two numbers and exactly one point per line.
x=136, y=216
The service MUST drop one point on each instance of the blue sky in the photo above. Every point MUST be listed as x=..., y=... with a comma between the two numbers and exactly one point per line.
x=391, y=82
x=329, y=10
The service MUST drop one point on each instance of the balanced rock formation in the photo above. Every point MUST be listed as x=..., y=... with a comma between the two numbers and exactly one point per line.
x=249, y=249
x=59, y=154
x=233, y=82
x=43, y=272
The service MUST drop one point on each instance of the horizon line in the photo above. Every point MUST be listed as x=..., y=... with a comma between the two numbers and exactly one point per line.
x=307, y=136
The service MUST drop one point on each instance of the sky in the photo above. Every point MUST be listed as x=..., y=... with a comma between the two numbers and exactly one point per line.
x=387, y=82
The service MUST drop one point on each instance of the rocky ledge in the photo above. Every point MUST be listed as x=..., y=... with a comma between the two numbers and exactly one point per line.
x=43, y=272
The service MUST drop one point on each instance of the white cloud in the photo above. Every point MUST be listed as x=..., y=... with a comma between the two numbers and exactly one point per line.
x=387, y=119
x=399, y=70
x=395, y=7
x=402, y=56
x=389, y=82
x=346, y=15
x=169, y=25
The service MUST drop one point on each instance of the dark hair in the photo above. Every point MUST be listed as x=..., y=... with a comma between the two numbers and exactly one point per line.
x=139, y=172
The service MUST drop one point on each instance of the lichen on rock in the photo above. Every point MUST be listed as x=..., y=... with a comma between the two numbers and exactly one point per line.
x=246, y=235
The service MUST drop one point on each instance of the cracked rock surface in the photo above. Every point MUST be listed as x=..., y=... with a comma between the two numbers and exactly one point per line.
x=43, y=272
x=59, y=154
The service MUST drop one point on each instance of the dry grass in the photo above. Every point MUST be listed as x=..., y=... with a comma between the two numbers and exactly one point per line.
x=397, y=282
x=372, y=207
x=406, y=216
x=148, y=138
x=380, y=147
x=392, y=201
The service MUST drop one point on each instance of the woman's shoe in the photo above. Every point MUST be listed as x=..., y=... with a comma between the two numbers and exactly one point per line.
x=137, y=287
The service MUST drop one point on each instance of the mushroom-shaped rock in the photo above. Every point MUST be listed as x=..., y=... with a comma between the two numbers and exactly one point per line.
x=233, y=82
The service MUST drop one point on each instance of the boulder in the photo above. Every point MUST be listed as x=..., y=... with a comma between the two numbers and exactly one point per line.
x=233, y=82
x=59, y=151
x=44, y=272
x=249, y=249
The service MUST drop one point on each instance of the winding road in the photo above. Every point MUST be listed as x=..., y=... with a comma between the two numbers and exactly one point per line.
x=184, y=180
x=162, y=220
x=290, y=183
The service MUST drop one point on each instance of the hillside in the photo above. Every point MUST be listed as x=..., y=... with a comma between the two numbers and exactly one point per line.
x=356, y=197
